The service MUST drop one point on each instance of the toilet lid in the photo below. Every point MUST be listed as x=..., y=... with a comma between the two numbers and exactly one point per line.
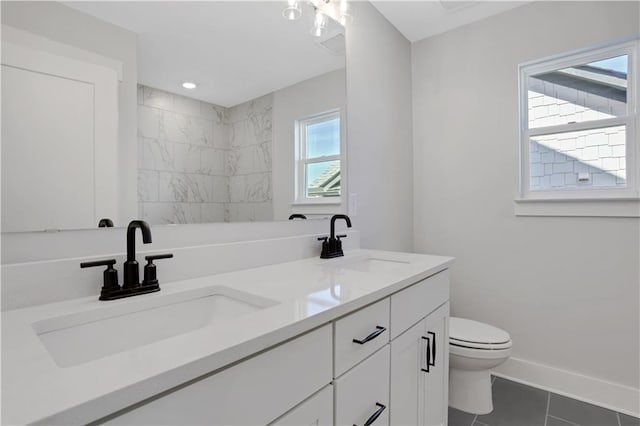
x=473, y=333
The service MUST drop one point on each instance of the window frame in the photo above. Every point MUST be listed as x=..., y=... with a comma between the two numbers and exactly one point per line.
x=630, y=121
x=301, y=160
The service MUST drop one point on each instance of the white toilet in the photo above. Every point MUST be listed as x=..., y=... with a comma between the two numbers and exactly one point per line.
x=474, y=349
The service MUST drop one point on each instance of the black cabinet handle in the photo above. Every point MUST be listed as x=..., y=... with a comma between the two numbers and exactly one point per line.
x=379, y=331
x=428, y=354
x=433, y=348
x=375, y=415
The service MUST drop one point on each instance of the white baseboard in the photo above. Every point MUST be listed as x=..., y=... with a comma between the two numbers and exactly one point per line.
x=605, y=394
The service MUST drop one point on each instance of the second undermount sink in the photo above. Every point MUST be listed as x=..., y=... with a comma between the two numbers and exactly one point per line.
x=370, y=264
x=86, y=336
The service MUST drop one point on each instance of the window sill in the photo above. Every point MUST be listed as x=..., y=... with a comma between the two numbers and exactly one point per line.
x=317, y=208
x=316, y=203
x=578, y=207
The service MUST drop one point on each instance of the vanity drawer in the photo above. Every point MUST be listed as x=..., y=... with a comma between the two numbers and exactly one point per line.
x=364, y=392
x=248, y=393
x=410, y=305
x=369, y=326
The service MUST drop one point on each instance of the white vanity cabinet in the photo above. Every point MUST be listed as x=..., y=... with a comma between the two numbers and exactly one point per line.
x=412, y=370
x=384, y=364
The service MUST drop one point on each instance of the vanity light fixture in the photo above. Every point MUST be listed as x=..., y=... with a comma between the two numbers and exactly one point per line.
x=338, y=10
x=189, y=85
x=292, y=11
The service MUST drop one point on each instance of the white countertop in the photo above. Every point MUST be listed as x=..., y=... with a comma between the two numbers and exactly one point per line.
x=308, y=293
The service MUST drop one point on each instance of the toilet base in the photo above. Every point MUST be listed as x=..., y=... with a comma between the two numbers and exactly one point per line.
x=470, y=391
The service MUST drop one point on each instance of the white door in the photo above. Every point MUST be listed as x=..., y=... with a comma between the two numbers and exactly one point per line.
x=59, y=141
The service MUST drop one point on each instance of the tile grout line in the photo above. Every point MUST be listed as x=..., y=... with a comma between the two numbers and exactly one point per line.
x=564, y=420
x=618, y=417
x=546, y=414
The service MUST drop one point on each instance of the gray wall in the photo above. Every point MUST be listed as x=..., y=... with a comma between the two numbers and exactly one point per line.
x=65, y=25
x=379, y=143
x=566, y=288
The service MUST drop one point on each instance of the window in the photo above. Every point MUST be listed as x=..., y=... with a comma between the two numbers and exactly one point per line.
x=578, y=126
x=318, y=165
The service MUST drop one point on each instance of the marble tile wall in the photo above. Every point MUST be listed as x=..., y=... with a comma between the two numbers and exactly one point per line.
x=191, y=153
x=249, y=164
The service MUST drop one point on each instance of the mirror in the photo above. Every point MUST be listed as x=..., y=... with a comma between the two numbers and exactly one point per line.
x=101, y=121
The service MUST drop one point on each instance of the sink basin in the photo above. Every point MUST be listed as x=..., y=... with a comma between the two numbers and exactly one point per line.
x=85, y=336
x=373, y=265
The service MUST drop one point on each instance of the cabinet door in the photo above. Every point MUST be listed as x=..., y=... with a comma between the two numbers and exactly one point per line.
x=362, y=394
x=420, y=372
x=436, y=379
x=407, y=379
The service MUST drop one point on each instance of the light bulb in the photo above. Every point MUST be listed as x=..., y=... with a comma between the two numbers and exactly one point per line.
x=319, y=25
x=189, y=85
x=292, y=11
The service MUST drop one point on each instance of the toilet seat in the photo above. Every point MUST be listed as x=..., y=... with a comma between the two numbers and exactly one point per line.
x=479, y=354
x=474, y=335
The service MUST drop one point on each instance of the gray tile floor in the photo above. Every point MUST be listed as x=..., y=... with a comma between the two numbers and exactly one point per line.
x=515, y=404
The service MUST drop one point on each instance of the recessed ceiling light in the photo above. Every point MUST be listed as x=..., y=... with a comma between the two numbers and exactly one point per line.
x=189, y=85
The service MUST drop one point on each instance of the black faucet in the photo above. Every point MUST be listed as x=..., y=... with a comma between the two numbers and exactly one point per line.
x=131, y=271
x=111, y=290
x=333, y=247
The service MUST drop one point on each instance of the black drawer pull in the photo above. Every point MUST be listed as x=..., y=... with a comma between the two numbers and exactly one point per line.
x=428, y=354
x=379, y=331
x=375, y=415
x=433, y=348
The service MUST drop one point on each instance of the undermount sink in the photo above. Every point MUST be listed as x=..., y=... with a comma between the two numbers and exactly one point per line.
x=86, y=336
x=371, y=264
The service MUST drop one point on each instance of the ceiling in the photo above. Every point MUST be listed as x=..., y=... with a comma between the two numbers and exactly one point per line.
x=239, y=50
x=234, y=51
x=420, y=19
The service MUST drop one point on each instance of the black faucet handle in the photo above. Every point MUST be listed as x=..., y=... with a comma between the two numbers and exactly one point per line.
x=110, y=276
x=106, y=262
x=158, y=256
x=341, y=236
x=150, y=274
x=323, y=239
